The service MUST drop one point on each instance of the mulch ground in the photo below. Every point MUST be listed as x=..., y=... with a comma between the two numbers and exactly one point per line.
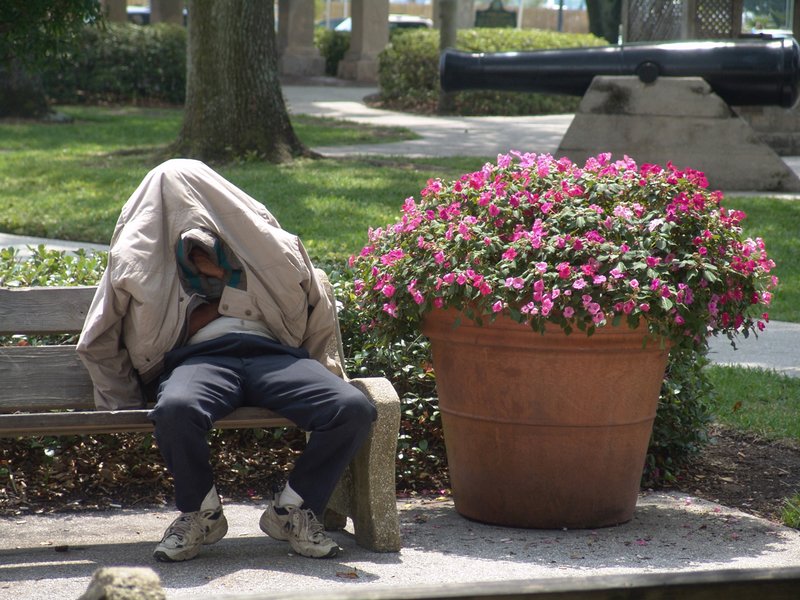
x=743, y=471
x=735, y=470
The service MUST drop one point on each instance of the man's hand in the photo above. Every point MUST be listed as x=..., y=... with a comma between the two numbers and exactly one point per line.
x=205, y=265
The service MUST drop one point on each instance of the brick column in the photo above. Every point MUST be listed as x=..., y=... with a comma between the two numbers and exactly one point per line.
x=297, y=54
x=369, y=37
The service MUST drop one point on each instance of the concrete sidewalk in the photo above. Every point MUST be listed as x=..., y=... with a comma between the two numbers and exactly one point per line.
x=54, y=556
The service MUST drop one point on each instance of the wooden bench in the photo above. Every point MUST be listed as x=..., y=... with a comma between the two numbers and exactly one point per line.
x=47, y=391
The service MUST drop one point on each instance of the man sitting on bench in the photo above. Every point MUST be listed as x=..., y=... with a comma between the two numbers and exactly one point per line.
x=210, y=303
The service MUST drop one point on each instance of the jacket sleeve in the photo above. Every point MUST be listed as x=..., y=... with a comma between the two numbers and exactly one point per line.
x=100, y=347
x=321, y=323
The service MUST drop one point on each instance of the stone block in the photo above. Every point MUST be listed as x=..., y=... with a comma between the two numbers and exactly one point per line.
x=124, y=583
x=366, y=492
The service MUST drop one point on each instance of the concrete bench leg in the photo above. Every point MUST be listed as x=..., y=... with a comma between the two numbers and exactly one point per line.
x=366, y=492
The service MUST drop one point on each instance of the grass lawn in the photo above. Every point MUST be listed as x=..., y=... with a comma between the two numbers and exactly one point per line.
x=756, y=400
x=70, y=181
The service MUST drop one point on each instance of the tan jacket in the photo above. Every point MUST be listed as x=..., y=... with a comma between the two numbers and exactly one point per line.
x=139, y=310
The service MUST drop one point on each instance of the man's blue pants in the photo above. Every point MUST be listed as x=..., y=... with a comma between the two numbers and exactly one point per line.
x=204, y=382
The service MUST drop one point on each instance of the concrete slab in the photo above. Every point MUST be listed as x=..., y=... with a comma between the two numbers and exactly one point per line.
x=54, y=556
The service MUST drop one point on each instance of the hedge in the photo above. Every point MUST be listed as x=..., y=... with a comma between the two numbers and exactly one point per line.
x=409, y=71
x=121, y=63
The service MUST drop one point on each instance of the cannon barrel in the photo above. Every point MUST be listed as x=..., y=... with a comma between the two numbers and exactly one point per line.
x=743, y=72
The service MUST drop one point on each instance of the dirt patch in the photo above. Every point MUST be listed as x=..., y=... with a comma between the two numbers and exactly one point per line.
x=743, y=471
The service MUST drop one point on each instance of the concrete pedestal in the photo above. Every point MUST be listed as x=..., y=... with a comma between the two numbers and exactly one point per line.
x=675, y=119
x=778, y=128
x=369, y=37
x=297, y=54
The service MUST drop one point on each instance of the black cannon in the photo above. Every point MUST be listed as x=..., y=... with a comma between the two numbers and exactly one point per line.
x=753, y=71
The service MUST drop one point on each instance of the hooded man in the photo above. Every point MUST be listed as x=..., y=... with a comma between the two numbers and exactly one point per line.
x=208, y=302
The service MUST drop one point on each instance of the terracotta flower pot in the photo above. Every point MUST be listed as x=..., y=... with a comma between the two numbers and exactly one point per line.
x=545, y=431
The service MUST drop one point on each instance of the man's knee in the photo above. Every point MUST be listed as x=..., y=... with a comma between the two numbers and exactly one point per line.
x=358, y=409
x=176, y=413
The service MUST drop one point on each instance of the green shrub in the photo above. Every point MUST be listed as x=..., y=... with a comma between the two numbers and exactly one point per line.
x=332, y=47
x=409, y=71
x=121, y=63
x=682, y=419
x=50, y=267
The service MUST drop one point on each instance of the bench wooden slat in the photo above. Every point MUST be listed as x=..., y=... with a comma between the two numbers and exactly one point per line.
x=44, y=310
x=86, y=422
x=43, y=377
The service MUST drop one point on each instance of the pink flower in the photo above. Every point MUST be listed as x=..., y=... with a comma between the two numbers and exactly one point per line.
x=388, y=290
x=547, y=306
x=392, y=256
x=568, y=312
x=390, y=308
x=497, y=306
x=510, y=254
x=514, y=282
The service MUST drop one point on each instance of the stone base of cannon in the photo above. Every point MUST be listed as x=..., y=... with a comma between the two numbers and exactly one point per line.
x=675, y=119
x=777, y=127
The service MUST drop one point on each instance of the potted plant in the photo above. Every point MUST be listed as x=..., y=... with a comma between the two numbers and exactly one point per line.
x=551, y=294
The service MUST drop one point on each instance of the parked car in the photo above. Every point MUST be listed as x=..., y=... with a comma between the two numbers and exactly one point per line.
x=395, y=22
x=140, y=15
x=330, y=23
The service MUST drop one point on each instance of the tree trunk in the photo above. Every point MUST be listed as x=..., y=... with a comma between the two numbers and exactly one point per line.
x=448, y=29
x=21, y=93
x=234, y=105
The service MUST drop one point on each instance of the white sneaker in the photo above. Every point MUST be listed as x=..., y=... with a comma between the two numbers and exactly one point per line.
x=187, y=534
x=276, y=521
x=307, y=536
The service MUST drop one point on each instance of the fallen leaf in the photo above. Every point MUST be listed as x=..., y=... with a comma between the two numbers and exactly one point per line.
x=347, y=574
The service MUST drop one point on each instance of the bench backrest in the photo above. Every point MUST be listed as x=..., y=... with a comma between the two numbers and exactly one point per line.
x=43, y=377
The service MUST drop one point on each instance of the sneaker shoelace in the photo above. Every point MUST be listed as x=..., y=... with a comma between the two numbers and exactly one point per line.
x=179, y=528
x=311, y=523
